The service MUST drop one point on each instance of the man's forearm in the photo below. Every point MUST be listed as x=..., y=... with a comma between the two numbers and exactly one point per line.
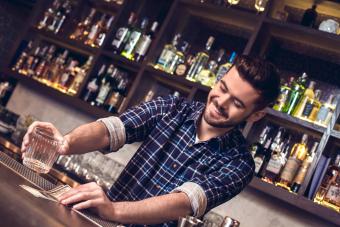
x=154, y=210
x=88, y=137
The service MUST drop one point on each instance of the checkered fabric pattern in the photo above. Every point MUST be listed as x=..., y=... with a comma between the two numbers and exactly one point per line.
x=169, y=156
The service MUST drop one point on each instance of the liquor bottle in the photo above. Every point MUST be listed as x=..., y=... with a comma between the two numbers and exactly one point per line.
x=223, y=69
x=135, y=35
x=207, y=76
x=57, y=67
x=94, y=32
x=285, y=90
x=168, y=53
x=46, y=73
x=102, y=34
x=117, y=95
x=79, y=76
x=49, y=14
x=297, y=155
x=39, y=59
x=200, y=61
x=232, y=2
x=23, y=57
x=309, y=17
x=312, y=106
x=260, y=143
x=295, y=95
x=29, y=66
x=277, y=160
x=144, y=43
x=105, y=86
x=332, y=196
x=179, y=57
x=308, y=94
x=182, y=68
x=64, y=10
x=68, y=75
x=123, y=34
x=326, y=111
x=301, y=174
x=93, y=85
x=330, y=175
x=261, y=158
x=83, y=26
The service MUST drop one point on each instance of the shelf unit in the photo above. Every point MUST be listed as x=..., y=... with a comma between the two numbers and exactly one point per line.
x=235, y=28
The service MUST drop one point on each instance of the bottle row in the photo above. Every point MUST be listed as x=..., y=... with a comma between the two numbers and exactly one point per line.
x=259, y=5
x=108, y=89
x=328, y=193
x=304, y=103
x=52, y=66
x=278, y=161
x=205, y=67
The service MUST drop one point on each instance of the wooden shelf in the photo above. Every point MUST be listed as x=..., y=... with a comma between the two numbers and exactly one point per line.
x=123, y=62
x=296, y=200
x=65, y=42
x=177, y=79
x=283, y=117
x=105, y=6
x=335, y=134
x=71, y=101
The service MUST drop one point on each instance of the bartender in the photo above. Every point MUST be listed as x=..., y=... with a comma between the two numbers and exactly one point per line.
x=193, y=156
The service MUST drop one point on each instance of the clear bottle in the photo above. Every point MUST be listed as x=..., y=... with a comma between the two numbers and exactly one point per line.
x=144, y=43
x=68, y=75
x=83, y=26
x=182, y=68
x=207, y=76
x=308, y=94
x=260, y=143
x=64, y=10
x=301, y=174
x=179, y=57
x=95, y=31
x=49, y=15
x=105, y=86
x=23, y=57
x=29, y=66
x=93, y=85
x=103, y=31
x=330, y=176
x=135, y=35
x=297, y=155
x=201, y=60
x=326, y=111
x=168, y=53
x=312, y=107
x=57, y=68
x=123, y=34
x=223, y=69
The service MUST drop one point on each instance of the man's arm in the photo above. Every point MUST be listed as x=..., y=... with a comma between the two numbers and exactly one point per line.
x=153, y=210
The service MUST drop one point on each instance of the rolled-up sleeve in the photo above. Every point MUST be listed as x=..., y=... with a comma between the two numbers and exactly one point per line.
x=116, y=131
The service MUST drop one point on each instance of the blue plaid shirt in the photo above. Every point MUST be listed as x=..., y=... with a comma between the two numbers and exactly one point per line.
x=169, y=156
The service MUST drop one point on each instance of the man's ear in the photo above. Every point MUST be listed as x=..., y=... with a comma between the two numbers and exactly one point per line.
x=258, y=115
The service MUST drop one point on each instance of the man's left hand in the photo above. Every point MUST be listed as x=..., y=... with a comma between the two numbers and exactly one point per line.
x=89, y=195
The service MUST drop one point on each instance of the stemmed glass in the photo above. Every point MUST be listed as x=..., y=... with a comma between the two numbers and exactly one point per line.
x=260, y=5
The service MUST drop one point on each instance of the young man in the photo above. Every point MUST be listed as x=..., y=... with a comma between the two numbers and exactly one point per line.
x=193, y=157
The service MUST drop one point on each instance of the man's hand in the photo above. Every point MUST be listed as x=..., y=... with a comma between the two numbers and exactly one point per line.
x=64, y=149
x=89, y=195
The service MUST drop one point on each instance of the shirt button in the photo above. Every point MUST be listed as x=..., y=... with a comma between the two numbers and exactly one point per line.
x=174, y=165
x=190, y=145
x=157, y=186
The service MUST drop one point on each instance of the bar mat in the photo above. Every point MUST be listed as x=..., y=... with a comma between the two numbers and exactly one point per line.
x=43, y=184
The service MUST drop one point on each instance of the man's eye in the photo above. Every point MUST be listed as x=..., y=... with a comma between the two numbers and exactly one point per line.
x=237, y=104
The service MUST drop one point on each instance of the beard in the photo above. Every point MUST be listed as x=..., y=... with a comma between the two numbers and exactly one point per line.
x=223, y=123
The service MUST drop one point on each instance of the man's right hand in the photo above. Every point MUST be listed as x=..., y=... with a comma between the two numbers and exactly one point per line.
x=64, y=149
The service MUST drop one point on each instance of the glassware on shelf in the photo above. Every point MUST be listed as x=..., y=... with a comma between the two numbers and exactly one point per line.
x=232, y=2
x=260, y=5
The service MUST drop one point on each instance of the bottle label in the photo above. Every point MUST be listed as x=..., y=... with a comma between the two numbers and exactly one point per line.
x=104, y=91
x=133, y=39
x=64, y=79
x=143, y=45
x=258, y=163
x=308, y=109
x=221, y=72
x=290, y=169
x=300, y=177
x=181, y=69
x=274, y=164
x=92, y=86
x=120, y=36
x=165, y=58
x=333, y=194
x=114, y=100
x=322, y=115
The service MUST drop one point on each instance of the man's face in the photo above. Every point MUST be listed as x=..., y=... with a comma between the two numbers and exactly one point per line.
x=231, y=101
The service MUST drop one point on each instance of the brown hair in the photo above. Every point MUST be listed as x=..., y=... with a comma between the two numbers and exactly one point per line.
x=262, y=75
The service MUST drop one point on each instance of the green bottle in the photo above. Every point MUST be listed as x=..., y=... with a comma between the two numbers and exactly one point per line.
x=297, y=91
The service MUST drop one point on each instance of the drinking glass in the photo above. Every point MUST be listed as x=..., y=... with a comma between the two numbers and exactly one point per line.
x=232, y=2
x=260, y=5
x=42, y=150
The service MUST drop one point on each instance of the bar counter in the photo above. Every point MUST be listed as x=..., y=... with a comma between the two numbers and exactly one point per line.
x=19, y=207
